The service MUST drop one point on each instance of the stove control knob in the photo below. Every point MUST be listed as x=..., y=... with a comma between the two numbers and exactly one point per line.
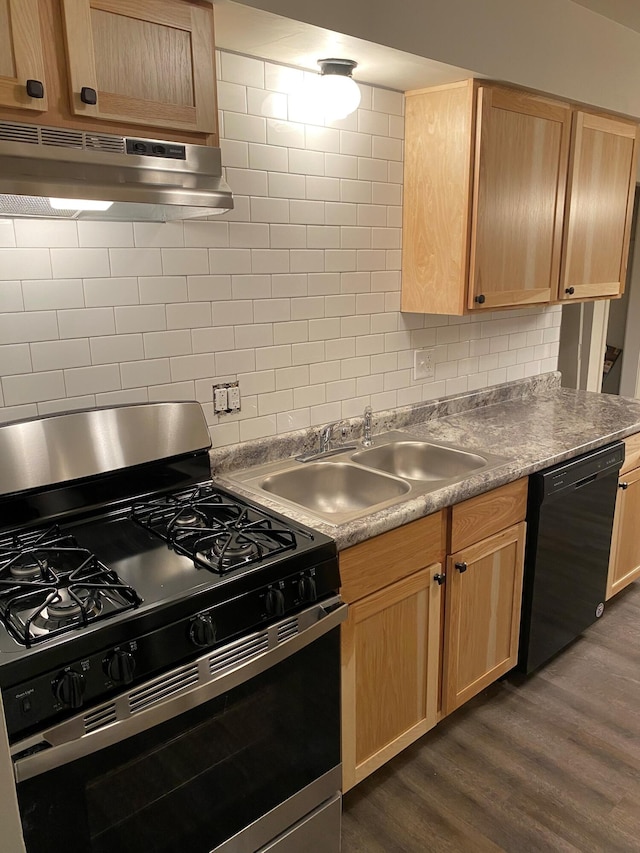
x=69, y=689
x=274, y=602
x=203, y=631
x=120, y=667
x=307, y=589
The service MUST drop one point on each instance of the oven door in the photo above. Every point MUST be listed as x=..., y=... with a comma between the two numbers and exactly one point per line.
x=232, y=761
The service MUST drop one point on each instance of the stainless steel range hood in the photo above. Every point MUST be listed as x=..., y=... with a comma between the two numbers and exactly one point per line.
x=146, y=179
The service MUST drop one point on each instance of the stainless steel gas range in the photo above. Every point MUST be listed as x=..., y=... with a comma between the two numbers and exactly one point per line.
x=169, y=652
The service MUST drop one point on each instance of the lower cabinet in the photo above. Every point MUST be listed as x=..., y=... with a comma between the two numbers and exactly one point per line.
x=426, y=632
x=624, y=564
x=391, y=665
x=482, y=623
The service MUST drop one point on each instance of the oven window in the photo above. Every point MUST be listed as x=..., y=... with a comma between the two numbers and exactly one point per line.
x=192, y=782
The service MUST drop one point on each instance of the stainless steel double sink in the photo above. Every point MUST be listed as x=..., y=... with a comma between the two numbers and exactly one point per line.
x=348, y=485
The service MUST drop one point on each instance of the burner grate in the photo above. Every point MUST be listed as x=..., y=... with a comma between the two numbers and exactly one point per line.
x=217, y=532
x=49, y=585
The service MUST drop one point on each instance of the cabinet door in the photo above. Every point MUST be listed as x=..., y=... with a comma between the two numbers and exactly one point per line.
x=390, y=672
x=520, y=172
x=482, y=621
x=21, y=55
x=148, y=62
x=624, y=565
x=599, y=207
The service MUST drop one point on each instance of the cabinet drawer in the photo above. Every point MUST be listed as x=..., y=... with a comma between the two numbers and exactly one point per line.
x=631, y=453
x=380, y=561
x=487, y=514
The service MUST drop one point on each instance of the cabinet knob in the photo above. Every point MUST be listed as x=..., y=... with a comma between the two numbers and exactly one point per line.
x=35, y=89
x=440, y=579
x=88, y=95
x=480, y=299
x=570, y=290
x=461, y=567
x=623, y=485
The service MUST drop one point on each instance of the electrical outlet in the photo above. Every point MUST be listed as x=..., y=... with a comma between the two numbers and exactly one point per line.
x=424, y=365
x=220, y=399
x=233, y=397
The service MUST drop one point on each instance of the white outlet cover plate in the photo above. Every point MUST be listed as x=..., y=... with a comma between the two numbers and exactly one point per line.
x=423, y=364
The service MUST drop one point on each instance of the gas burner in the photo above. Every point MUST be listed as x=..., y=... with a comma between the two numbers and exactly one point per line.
x=231, y=549
x=49, y=585
x=188, y=519
x=29, y=568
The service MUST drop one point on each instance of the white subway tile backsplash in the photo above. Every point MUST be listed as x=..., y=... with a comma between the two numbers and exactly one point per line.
x=232, y=97
x=92, y=235
x=185, y=261
x=7, y=234
x=136, y=374
x=192, y=367
x=25, y=263
x=83, y=263
x=139, y=318
x=44, y=295
x=325, y=139
x=158, y=235
x=305, y=162
x=102, y=292
x=243, y=70
x=154, y=290
x=92, y=380
x=33, y=233
x=55, y=355
x=305, y=268
x=122, y=398
x=25, y=327
x=213, y=339
x=113, y=349
x=229, y=261
x=165, y=344
x=15, y=358
x=209, y=235
x=11, y=298
x=245, y=128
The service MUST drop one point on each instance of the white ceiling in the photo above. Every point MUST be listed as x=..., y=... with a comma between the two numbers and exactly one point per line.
x=252, y=31
x=625, y=12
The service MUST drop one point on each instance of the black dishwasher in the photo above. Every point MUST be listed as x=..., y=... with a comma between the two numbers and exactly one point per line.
x=569, y=524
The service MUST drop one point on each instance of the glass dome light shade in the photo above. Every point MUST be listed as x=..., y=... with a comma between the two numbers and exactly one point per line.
x=338, y=92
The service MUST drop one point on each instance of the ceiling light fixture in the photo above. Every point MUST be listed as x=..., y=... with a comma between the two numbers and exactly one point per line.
x=339, y=92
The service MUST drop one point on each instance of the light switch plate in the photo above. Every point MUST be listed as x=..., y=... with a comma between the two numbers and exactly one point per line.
x=424, y=365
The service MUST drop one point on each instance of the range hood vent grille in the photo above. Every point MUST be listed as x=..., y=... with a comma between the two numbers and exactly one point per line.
x=145, y=179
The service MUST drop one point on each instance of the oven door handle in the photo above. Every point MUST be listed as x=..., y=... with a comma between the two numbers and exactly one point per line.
x=69, y=741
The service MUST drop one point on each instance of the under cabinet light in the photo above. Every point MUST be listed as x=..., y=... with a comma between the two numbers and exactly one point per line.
x=338, y=92
x=79, y=204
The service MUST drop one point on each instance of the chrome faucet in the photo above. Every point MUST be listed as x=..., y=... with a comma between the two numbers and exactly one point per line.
x=367, y=425
x=325, y=449
x=326, y=434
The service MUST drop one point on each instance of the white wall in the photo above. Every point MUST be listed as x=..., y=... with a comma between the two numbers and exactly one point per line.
x=553, y=45
x=296, y=293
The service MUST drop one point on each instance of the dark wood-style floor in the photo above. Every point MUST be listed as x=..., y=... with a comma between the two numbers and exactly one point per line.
x=549, y=763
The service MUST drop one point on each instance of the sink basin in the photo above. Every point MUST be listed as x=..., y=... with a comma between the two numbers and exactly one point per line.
x=334, y=488
x=420, y=460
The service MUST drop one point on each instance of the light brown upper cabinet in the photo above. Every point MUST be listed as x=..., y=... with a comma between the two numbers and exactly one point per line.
x=150, y=62
x=602, y=179
x=492, y=199
x=22, y=76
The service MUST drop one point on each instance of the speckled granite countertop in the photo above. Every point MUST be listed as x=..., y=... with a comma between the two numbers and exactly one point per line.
x=533, y=423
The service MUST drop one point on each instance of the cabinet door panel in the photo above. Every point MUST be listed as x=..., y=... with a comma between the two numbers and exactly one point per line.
x=150, y=62
x=601, y=189
x=21, y=55
x=482, y=620
x=624, y=565
x=390, y=666
x=519, y=186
